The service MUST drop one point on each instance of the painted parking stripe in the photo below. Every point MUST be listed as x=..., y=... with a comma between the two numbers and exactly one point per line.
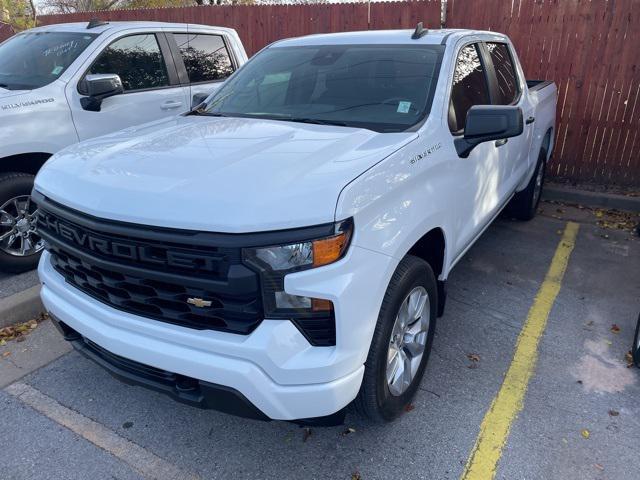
x=508, y=402
x=141, y=460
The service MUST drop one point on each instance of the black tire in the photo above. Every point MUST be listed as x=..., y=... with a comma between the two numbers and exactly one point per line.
x=635, y=348
x=524, y=204
x=375, y=400
x=14, y=185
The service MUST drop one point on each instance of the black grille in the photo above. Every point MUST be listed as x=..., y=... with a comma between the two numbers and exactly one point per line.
x=137, y=273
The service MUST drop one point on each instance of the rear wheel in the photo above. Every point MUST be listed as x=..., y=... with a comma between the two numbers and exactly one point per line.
x=401, y=342
x=20, y=246
x=524, y=204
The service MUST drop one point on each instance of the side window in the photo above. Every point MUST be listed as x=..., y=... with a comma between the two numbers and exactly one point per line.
x=505, y=73
x=205, y=57
x=469, y=87
x=138, y=61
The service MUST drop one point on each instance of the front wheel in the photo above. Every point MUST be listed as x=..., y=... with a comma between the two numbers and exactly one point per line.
x=20, y=246
x=401, y=342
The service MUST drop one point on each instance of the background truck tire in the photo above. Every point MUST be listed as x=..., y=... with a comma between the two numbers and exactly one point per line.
x=524, y=204
x=17, y=186
x=375, y=399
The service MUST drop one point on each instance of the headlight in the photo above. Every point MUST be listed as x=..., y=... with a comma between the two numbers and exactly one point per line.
x=275, y=262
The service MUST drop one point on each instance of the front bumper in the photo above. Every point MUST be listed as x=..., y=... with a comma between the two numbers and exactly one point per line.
x=274, y=368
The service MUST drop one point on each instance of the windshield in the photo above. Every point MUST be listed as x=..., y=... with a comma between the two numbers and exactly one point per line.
x=34, y=59
x=386, y=88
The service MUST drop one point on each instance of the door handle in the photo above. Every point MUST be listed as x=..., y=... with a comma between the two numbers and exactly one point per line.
x=501, y=142
x=170, y=105
x=530, y=120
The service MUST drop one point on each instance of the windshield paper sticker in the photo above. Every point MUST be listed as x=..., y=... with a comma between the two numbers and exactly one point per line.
x=28, y=103
x=403, y=107
x=56, y=71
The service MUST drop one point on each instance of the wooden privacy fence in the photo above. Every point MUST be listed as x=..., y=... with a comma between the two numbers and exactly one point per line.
x=588, y=47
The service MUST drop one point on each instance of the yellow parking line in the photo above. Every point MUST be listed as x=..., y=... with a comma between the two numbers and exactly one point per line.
x=508, y=402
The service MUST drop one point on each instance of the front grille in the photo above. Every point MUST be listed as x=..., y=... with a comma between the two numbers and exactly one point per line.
x=156, y=274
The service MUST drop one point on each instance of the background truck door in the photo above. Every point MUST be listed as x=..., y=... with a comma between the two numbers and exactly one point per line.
x=152, y=90
x=206, y=57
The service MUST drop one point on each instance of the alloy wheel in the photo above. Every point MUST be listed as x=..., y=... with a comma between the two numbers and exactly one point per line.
x=408, y=340
x=17, y=227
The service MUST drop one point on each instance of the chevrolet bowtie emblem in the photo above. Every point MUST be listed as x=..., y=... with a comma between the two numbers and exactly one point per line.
x=199, y=302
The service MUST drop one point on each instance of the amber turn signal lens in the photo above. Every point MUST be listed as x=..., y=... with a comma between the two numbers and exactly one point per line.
x=328, y=250
x=321, y=305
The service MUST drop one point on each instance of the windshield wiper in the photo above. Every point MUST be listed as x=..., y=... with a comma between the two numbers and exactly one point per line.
x=316, y=121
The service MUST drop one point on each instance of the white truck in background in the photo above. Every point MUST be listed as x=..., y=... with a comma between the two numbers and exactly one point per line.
x=282, y=250
x=65, y=83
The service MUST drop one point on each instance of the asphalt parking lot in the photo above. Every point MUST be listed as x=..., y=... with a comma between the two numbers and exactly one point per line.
x=580, y=418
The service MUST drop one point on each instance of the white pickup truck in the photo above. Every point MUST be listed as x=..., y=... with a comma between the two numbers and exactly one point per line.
x=282, y=250
x=61, y=84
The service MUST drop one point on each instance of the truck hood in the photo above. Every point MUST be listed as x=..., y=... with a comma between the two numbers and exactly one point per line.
x=216, y=174
x=4, y=93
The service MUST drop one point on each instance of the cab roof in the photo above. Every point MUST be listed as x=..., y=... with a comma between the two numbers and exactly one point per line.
x=388, y=37
x=81, y=27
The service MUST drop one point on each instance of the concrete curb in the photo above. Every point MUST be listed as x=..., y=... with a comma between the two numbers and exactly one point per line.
x=591, y=199
x=21, y=306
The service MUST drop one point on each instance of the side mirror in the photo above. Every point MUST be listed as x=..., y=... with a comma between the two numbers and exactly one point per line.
x=198, y=98
x=489, y=122
x=99, y=87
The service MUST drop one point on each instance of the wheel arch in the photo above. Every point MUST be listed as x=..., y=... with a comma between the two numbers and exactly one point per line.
x=24, y=162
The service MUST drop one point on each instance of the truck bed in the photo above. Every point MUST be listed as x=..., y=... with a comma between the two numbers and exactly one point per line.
x=538, y=84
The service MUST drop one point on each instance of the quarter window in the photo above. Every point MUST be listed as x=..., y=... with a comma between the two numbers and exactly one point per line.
x=505, y=73
x=138, y=61
x=469, y=87
x=205, y=57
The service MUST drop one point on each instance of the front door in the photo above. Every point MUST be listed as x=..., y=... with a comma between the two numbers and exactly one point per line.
x=151, y=90
x=481, y=172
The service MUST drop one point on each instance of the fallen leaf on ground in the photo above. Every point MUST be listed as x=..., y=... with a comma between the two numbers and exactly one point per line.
x=408, y=407
x=598, y=466
x=356, y=476
x=474, y=357
x=628, y=357
x=585, y=433
x=6, y=354
x=615, y=328
x=614, y=413
x=348, y=431
x=306, y=433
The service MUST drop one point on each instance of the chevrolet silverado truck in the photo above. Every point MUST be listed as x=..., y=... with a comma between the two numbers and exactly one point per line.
x=61, y=84
x=281, y=251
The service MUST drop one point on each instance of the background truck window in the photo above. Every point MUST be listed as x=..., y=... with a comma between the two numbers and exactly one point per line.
x=138, y=61
x=469, y=87
x=505, y=73
x=205, y=57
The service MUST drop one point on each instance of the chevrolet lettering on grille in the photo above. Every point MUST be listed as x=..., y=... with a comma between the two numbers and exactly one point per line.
x=125, y=250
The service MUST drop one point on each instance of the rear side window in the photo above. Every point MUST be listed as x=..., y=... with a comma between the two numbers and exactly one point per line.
x=138, y=61
x=505, y=73
x=469, y=87
x=205, y=57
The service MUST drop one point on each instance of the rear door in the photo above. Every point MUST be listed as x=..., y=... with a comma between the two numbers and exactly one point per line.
x=206, y=58
x=508, y=89
x=152, y=89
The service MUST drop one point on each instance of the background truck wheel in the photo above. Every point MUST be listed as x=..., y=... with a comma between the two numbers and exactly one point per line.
x=524, y=204
x=20, y=247
x=401, y=342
